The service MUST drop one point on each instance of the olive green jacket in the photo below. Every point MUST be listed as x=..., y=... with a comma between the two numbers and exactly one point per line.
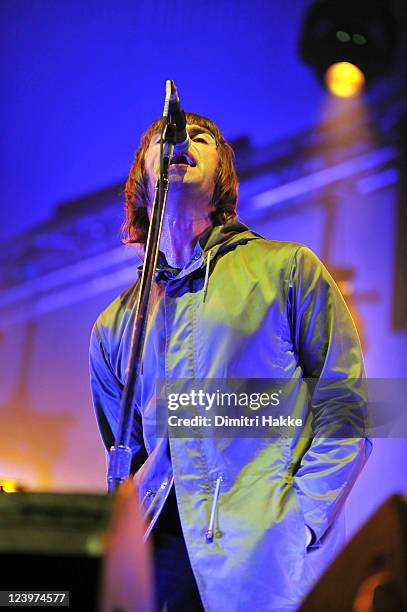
x=244, y=308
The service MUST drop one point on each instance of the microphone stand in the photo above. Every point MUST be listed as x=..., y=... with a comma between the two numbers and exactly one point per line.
x=120, y=454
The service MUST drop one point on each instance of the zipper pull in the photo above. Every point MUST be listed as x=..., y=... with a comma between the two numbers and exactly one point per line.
x=205, y=287
x=210, y=531
x=146, y=495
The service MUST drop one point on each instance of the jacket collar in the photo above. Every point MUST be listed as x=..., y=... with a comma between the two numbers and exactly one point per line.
x=216, y=239
x=219, y=234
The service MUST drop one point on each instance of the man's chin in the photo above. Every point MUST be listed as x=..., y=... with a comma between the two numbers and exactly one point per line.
x=178, y=174
x=182, y=180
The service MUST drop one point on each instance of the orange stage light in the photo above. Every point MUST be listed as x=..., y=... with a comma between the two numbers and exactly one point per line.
x=345, y=80
x=8, y=486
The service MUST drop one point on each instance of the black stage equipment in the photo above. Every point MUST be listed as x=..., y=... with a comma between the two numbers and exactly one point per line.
x=370, y=574
x=53, y=542
x=361, y=32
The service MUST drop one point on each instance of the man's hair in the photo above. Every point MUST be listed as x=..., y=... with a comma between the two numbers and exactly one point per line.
x=137, y=196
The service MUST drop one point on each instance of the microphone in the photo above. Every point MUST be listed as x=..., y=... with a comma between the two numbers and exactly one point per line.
x=178, y=117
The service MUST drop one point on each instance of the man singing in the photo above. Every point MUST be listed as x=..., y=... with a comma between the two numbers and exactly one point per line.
x=238, y=523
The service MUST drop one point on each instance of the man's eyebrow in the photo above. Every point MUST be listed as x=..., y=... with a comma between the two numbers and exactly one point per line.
x=197, y=129
x=193, y=130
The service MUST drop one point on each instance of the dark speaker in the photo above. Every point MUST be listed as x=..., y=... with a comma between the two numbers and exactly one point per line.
x=54, y=542
x=370, y=574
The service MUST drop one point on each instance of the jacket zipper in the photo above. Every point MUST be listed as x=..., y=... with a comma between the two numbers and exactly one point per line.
x=150, y=492
x=165, y=485
x=146, y=494
x=210, y=531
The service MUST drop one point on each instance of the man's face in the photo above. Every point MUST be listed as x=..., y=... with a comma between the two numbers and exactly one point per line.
x=196, y=172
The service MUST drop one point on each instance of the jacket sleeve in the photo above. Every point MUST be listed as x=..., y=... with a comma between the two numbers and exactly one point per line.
x=329, y=351
x=106, y=392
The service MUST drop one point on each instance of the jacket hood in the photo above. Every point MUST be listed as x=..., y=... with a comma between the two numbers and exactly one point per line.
x=212, y=239
x=230, y=233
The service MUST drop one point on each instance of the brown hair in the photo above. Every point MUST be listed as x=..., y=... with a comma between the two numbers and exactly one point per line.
x=224, y=199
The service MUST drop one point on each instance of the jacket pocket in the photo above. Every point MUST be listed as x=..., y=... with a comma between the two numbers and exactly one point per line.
x=300, y=520
x=314, y=544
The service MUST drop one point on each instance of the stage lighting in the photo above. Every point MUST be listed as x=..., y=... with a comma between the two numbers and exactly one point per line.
x=8, y=486
x=348, y=43
x=344, y=79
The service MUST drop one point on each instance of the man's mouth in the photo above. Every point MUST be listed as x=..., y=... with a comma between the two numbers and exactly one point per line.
x=184, y=160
